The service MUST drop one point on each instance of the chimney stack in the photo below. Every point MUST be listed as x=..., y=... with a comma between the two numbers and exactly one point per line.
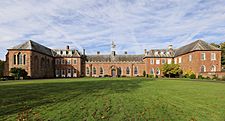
x=125, y=52
x=67, y=47
x=98, y=52
x=170, y=47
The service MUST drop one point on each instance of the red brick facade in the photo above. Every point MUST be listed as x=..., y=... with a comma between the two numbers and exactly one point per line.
x=47, y=63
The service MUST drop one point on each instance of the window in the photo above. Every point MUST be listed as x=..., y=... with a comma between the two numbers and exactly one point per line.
x=135, y=71
x=157, y=71
x=190, y=58
x=87, y=71
x=63, y=72
x=213, y=56
x=179, y=60
x=94, y=70
x=62, y=61
x=203, y=68
x=101, y=70
x=157, y=61
x=73, y=52
x=163, y=61
x=14, y=59
x=61, y=52
x=152, y=61
x=67, y=52
x=74, y=71
x=74, y=61
x=128, y=70
x=169, y=61
x=24, y=59
x=203, y=56
x=68, y=61
x=69, y=71
x=213, y=68
x=19, y=58
x=152, y=71
x=57, y=71
x=175, y=61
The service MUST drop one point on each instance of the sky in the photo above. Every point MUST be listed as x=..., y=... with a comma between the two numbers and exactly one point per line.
x=134, y=25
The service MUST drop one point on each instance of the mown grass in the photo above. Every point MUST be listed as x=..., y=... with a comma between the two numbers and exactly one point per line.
x=112, y=99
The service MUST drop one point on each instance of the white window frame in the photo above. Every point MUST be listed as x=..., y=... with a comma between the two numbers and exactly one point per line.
x=169, y=61
x=152, y=61
x=213, y=56
x=190, y=58
x=213, y=68
x=179, y=60
x=203, y=56
x=157, y=62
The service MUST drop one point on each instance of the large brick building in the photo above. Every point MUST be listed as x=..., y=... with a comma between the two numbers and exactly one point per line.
x=42, y=62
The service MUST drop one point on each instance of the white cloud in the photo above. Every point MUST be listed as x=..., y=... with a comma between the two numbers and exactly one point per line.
x=93, y=24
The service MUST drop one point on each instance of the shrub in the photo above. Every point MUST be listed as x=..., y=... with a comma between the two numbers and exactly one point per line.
x=200, y=77
x=151, y=76
x=208, y=77
x=223, y=78
x=156, y=76
x=192, y=76
x=215, y=77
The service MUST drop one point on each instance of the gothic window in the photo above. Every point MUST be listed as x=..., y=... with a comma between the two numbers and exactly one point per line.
x=14, y=59
x=94, y=70
x=203, y=68
x=87, y=71
x=135, y=71
x=24, y=59
x=128, y=70
x=19, y=58
x=152, y=71
x=213, y=68
x=101, y=70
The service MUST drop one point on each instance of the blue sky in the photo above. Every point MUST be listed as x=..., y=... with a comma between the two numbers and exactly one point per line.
x=93, y=24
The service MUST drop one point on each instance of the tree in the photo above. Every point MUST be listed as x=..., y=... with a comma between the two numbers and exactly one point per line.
x=2, y=63
x=144, y=73
x=171, y=70
x=18, y=72
x=222, y=47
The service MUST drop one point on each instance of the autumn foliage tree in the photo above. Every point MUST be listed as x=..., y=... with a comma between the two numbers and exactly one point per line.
x=171, y=70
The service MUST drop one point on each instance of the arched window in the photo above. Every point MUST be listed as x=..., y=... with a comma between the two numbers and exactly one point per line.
x=19, y=58
x=14, y=59
x=135, y=71
x=74, y=71
x=157, y=71
x=119, y=71
x=128, y=70
x=24, y=59
x=94, y=70
x=152, y=71
x=213, y=68
x=101, y=70
x=203, y=68
x=87, y=71
x=42, y=63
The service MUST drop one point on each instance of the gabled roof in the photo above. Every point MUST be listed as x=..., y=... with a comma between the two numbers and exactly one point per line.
x=31, y=45
x=116, y=58
x=197, y=45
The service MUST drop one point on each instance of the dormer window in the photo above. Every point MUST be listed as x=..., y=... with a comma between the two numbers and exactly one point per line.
x=61, y=52
x=67, y=52
x=73, y=52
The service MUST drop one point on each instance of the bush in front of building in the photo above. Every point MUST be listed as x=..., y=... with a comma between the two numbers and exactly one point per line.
x=223, y=78
x=192, y=76
x=18, y=72
x=200, y=77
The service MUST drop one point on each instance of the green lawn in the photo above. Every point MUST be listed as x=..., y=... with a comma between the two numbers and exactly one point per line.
x=112, y=99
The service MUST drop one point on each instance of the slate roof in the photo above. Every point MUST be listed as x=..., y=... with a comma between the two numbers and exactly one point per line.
x=31, y=45
x=196, y=45
x=116, y=58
